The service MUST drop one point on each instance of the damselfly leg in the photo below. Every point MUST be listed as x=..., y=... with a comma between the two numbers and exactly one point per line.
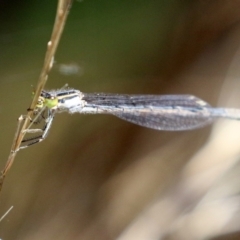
x=44, y=112
x=47, y=116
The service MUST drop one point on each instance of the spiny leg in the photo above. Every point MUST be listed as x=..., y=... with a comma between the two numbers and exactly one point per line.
x=44, y=131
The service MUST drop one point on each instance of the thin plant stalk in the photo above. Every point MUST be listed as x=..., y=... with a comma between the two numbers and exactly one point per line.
x=24, y=121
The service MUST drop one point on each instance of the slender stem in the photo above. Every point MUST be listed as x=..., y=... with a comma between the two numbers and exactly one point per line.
x=60, y=20
x=6, y=213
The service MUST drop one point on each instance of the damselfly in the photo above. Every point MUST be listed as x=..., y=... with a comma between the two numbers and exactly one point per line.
x=160, y=112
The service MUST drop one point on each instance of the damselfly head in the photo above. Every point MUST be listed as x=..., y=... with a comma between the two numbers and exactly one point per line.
x=46, y=95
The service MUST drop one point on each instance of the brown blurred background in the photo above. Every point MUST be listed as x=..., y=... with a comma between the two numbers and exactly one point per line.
x=98, y=177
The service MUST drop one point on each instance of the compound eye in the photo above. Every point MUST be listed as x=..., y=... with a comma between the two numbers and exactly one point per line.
x=46, y=95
